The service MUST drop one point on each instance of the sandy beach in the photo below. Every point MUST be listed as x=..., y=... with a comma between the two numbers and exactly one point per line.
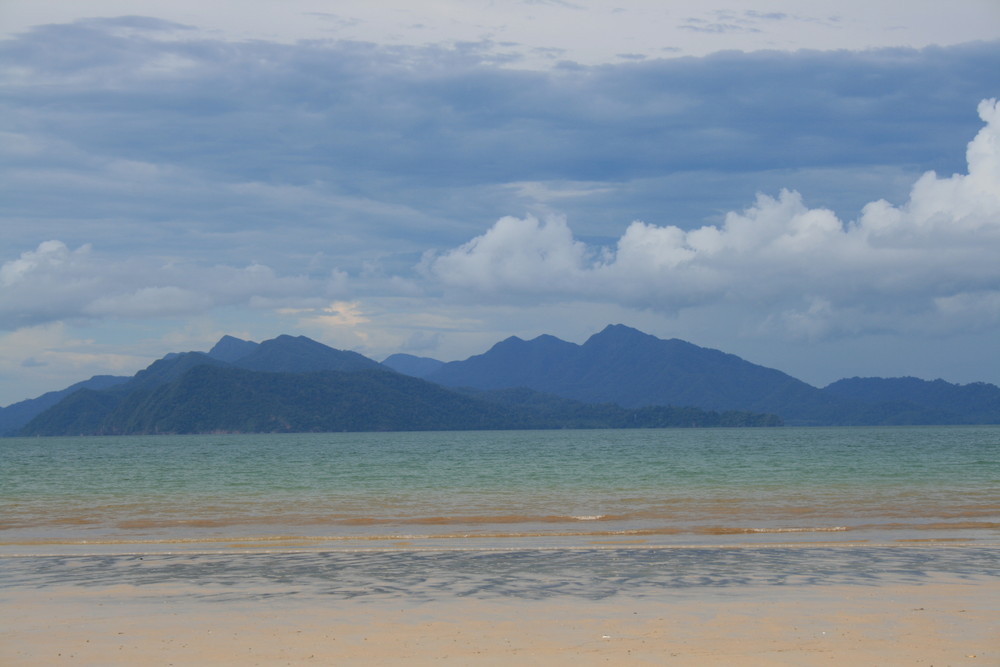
x=929, y=624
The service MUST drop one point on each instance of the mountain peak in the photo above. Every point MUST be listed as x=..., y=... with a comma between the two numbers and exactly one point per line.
x=299, y=354
x=229, y=349
x=617, y=334
x=621, y=330
x=510, y=340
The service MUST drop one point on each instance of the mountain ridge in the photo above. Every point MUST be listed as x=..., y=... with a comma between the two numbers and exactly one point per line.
x=628, y=367
x=16, y=415
x=631, y=368
x=618, y=366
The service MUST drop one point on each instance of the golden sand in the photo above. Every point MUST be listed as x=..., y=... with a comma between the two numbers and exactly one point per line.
x=931, y=624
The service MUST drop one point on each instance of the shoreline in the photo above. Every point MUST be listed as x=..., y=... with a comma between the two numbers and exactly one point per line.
x=225, y=548
x=961, y=533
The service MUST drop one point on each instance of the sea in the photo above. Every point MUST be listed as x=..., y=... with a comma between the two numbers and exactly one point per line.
x=524, y=514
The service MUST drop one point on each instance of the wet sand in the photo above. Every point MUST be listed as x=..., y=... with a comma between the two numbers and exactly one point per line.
x=937, y=623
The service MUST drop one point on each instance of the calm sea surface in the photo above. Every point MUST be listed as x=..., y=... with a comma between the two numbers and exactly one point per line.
x=500, y=489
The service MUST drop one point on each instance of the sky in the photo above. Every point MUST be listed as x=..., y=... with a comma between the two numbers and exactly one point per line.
x=812, y=186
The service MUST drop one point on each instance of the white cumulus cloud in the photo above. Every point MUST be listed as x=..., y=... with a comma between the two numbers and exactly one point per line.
x=519, y=255
x=809, y=273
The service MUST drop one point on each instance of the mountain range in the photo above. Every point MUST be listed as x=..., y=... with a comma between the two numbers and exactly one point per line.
x=633, y=369
x=620, y=377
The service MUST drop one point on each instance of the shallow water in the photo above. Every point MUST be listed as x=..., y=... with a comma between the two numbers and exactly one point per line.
x=501, y=488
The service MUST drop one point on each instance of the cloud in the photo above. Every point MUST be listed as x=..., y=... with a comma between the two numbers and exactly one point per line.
x=518, y=256
x=158, y=143
x=717, y=27
x=340, y=121
x=150, y=302
x=54, y=283
x=807, y=271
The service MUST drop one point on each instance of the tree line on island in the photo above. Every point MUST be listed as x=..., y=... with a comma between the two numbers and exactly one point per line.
x=619, y=378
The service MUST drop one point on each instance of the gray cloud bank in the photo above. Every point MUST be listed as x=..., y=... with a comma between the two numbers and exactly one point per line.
x=116, y=114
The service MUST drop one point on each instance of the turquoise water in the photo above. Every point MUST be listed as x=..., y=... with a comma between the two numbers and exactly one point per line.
x=500, y=489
